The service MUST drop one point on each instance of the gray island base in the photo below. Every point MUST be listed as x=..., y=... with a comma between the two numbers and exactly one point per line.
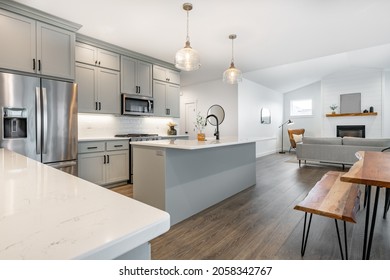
x=184, y=177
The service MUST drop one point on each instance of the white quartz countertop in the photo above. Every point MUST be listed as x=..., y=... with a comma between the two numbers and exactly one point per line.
x=107, y=138
x=195, y=144
x=48, y=214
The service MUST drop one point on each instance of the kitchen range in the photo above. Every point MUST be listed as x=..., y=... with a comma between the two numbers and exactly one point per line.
x=133, y=137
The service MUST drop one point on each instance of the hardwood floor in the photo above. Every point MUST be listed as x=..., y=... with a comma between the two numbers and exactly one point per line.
x=126, y=190
x=260, y=223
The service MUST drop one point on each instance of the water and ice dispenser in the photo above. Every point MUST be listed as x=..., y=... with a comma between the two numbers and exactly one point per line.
x=14, y=123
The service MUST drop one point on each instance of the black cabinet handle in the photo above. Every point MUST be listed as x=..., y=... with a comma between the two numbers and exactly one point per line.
x=39, y=65
x=96, y=106
x=168, y=111
x=108, y=159
x=99, y=63
x=33, y=63
x=96, y=62
x=91, y=148
x=100, y=106
x=118, y=146
x=104, y=159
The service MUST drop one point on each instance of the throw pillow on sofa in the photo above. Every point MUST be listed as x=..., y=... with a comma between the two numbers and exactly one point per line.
x=297, y=138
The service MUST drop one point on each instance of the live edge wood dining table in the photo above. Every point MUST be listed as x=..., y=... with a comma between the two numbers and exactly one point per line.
x=372, y=169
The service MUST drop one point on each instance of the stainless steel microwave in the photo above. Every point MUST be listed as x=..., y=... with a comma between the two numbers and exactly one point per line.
x=137, y=105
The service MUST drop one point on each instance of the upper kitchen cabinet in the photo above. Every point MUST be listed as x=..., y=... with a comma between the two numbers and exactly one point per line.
x=166, y=99
x=166, y=75
x=36, y=47
x=95, y=56
x=98, y=89
x=136, y=77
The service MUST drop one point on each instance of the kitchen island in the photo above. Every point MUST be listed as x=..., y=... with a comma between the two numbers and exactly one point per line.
x=48, y=214
x=184, y=177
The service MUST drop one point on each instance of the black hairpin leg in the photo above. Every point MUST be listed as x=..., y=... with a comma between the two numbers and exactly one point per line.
x=345, y=240
x=373, y=222
x=305, y=234
x=367, y=199
x=387, y=203
x=365, y=196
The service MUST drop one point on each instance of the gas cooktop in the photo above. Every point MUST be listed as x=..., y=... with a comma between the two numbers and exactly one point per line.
x=132, y=135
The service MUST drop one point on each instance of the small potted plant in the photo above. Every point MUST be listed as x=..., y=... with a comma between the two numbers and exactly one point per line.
x=333, y=107
x=172, y=130
x=200, y=124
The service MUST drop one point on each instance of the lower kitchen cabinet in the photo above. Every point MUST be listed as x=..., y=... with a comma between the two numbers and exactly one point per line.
x=104, y=162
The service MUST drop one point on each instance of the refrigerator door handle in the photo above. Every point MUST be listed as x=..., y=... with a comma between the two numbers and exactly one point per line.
x=38, y=120
x=45, y=124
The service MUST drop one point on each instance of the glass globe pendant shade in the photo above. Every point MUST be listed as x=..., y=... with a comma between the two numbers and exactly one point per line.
x=232, y=75
x=187, y=59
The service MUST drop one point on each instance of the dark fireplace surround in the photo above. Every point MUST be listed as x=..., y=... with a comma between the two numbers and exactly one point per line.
x=351, y=131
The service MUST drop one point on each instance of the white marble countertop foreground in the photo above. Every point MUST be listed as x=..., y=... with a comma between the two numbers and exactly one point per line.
x=49, y=214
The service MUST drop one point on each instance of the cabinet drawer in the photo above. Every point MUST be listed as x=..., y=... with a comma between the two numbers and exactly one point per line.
x=91, y=147
x=117, y=145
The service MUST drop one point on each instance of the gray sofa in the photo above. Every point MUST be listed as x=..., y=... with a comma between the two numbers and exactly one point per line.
x=337, y=149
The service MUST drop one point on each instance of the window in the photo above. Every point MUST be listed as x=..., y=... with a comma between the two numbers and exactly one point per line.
x=301, y=107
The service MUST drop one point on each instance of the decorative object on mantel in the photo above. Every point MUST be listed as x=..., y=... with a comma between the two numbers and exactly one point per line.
x=200, y=125
x=172, y=130
x=232, y=75
x=288, y=122
x=187, y=58
x=365, y=111
x=371, y=109
x=352, y=115
x=333, y=107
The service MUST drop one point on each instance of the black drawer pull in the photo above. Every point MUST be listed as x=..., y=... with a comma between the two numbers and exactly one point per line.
x=90, y=148
x=118, y=146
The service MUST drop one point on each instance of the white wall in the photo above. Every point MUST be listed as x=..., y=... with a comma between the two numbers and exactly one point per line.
x=251, y=98
x=208, y=94
x=311, y=124
x=366, y=81
x=386, y=104
x=106, y=125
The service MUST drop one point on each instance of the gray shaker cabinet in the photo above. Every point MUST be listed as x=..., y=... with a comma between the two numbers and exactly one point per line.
x=95, y=56
x=166, y=99
x=35, y=47
x=136, y=77
x=98, y=89
x=166, y=75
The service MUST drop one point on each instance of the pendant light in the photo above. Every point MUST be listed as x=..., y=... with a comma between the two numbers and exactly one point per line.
x=232, y=75
x=187, y=58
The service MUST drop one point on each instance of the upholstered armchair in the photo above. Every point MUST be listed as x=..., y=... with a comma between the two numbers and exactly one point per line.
x=295, y=135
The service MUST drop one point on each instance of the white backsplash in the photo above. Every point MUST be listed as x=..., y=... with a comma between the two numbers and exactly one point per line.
x=105, y=125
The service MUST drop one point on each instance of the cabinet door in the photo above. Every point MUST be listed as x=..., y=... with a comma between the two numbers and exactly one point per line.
x=144, y=78
x=172, y=99
x=128, y=75
x=86, y=53
x=117, y=167
x=159, y=73
x=18, y=45
x=108, y=94
x=86, y=76
x=159, y=89
x=108, y=59
x=91, y=167
x=173, y=77
x=55, y=51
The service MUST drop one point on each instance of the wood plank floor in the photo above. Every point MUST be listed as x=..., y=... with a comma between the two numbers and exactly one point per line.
x=260, y=223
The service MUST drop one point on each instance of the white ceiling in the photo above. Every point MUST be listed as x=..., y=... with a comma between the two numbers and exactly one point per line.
x=282, y=44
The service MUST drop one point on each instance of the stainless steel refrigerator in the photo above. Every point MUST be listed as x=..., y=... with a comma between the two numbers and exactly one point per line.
x=39, y=119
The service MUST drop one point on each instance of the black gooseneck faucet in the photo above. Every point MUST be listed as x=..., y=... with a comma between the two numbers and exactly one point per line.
x=216, y=134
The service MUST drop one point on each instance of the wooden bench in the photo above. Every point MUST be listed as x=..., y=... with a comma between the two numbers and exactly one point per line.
x=333, y=199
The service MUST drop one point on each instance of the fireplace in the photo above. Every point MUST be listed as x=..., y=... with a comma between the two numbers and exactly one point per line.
x=351, y=130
